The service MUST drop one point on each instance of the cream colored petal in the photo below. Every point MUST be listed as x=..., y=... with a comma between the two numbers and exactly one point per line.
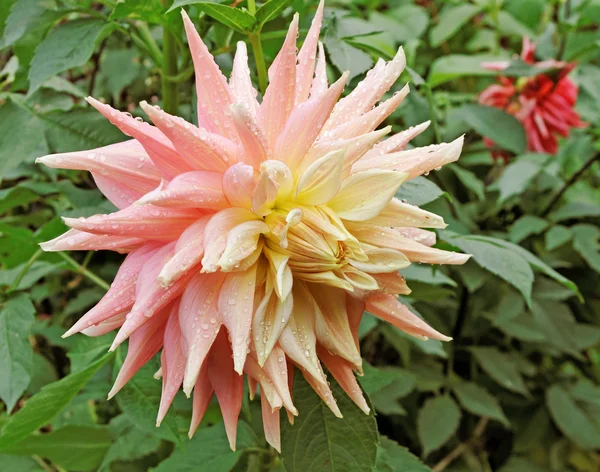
x=242, y=241
x=398, y=213
x=280, y=272
x=269, y=321
x=322, y=180
x=382, y=261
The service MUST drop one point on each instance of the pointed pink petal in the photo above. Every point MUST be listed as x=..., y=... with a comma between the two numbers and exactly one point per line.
x=397, y=142
x=324, y=392
x=305, y=123
x=398, y=213
x=200, y=322
x=75, y=240
x=149, y=222
x=415, y=161
x=279, y=97
x=387, y=237
x=214, y=96
x=105, y=326
x=150, y=295
x=270, y=418
x=121, y=294
x=122, y=171
x=368, y=92
x=268, y=322
x=143, y=345
x=197, y=189
x=240, y=82
x=306, y=57
x=172, y=363
x=199, y=148
x=368, y=121
x=156, y=144
x=392, y=283
x=331, y=323
x=342, y=371
x=355, y=310
x=252, y=369
x=388, y=308
x=276, y=369
x=228, y=385
x=254, y=145
x=203, y=393
x=189, y=250
x=239, y=183
x=236, y=305
x=319, y=83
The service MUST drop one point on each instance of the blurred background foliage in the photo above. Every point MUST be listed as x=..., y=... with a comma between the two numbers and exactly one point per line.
x=517, y=390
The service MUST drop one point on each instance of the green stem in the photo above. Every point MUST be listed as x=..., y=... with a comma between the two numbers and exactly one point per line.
x=433, y=114
x=25, y=269
x=259, y=58
x=82, y=270
x=148, y=41
x=252, y=7
x=170, y=90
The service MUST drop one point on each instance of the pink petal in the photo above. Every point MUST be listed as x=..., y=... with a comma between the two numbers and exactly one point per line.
x=214, y=96
x=75, y=240
x=123, y=171
x=324, y=392
x=198, y=189
x=269, y=321
x=398, y=213
x=368, y=92
x=397, y=142
x=199, y=148
x=172, y=363
x=306, y=57
x=156, y=144
x=267, y=388
x=367, y=122
x=105, y=326
x=254, y=146
x=270, y=419
x=121, y=294
x=305, y=123
x=240, y=82
x=276, y=369
x=319, y=83
x=149, y=222
x=189, y=250
x=236, y=305
x=279, y=97
x=228, y=385
x=200, y=322
x=143, y=345
x=388, y=308
x=416, y=161
x=239, y=183
x=342, y=371
x=203, y=393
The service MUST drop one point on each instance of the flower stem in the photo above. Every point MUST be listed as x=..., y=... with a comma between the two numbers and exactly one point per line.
x=170, y=89
x=82, y=270
x=148, y=41
x=252, y=7
x=433, y=114
x=25, y=269
x=259, y=58
x=570, y=182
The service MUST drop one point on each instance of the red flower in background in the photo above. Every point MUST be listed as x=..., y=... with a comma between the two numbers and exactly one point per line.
x=544, y=103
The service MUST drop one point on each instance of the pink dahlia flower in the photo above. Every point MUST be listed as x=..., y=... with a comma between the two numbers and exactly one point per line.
x=544, y=103
x=256, y=239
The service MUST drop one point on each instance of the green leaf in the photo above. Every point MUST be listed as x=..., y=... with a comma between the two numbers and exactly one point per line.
x=320, y=442
x=377, y=378
x=508, y=25
x=501, y=368
x=478, y=401
x=452, y=66
x=452, y=19
x=16, y=121
x=557, y=236
x=517, y=176
x=76, y=448
x=391, y=457
x=526, y=226
x=345, y=57
x=16, y=362
x=575, y=210
x=151, y=11
x=427, y=274
x=68, y=45
x=234, y=18
x=437, y=422
x=209, y=450
x=504, y=129
x=469, y=180
x=37, y=270
x=139, y=400
x=269, y=11
x=45, y=405
x=571, y=419
x=500, y=261
x=403, y=24
x=26, y=16
x=585, y=242
x=130, y=442
x=419, y=191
